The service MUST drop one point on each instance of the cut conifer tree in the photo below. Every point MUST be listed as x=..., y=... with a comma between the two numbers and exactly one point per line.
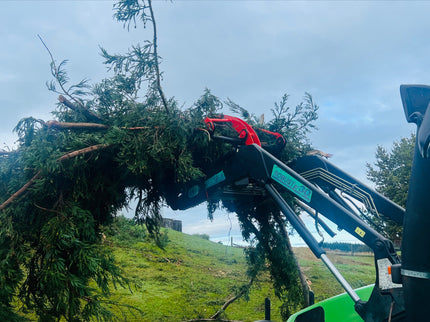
x=112, y=142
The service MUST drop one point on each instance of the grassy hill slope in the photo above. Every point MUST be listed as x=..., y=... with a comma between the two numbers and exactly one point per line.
x=193, y=277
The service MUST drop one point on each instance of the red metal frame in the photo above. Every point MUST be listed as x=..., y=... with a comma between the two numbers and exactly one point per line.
x=244, y=129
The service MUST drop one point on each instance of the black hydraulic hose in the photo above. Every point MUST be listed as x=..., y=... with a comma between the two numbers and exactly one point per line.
x=311, y=213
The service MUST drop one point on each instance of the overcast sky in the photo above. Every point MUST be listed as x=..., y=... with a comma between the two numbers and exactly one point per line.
x=350, y=56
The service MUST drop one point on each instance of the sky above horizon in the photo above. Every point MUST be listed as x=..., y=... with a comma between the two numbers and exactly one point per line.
x=350, y=56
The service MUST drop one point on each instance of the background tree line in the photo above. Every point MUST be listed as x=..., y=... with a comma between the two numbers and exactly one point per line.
x=348, y=247
x=391, y=173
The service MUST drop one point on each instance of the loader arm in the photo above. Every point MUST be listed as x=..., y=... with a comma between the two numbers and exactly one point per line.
x=401, y=290
x=414, y=271
x=252, y=167
x=336, y=182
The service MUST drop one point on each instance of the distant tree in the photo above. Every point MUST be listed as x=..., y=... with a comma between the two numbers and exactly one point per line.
x=391, y=173
x=348, y=247
x=203, y=236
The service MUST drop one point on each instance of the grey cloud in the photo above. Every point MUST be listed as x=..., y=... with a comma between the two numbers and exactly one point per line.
x=351, y=56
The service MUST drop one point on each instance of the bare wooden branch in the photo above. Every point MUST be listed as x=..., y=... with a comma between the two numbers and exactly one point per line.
x=89, y=126
x=47, y=210
x=320, y=153
x=82, y=151
x=37, y=175
x=139, y=128
x=80, y=109
x=229, y=301
x=20, y=191
x=76, y=126
x=69, y=104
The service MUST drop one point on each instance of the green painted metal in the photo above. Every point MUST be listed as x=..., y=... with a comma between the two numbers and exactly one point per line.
x=215, y=179
x=291, y=184
x=339, y=308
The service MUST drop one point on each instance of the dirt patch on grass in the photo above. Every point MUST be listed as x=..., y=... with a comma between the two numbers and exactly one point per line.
x=304, y=254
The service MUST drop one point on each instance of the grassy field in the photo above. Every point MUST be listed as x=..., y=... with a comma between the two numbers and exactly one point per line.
x=192, y=278
x=358, y=270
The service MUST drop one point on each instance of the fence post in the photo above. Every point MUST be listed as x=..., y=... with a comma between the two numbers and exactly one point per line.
x=267, y=309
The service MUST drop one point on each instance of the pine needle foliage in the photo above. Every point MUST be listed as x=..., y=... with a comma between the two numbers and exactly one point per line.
x=63, y=183
x=391, y=173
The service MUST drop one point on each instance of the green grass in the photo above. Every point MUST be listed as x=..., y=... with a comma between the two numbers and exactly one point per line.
x=358, y=270
x=192, y=278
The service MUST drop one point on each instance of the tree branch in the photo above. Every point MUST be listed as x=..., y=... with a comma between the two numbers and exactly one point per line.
x=37, y=175
x=231, y=300
x=20, y=191
x=47, y=210
x=88, y=126
x=80, y=109
x=82, y=151
x=157, y=68
x=76, y=126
